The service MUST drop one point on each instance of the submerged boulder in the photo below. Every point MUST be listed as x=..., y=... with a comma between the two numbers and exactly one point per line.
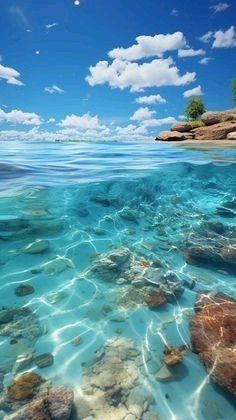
x=213, y=337
x=55, y=403
x=23, y=386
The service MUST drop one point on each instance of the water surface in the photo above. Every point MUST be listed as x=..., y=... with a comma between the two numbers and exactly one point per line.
x=85, y=201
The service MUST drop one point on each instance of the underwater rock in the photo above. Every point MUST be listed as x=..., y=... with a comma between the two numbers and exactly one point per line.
x=23, y=361
x=173, y=355
x=20, y=323
x=82, y=210
x=23, y=386
x=129, y=214
x=105, y=201
x=24, y=290
x=46, y=226
x=76, y=341
x=155, y=299
x=56, y=266
x=113, y=386
x=37, y=247
x=213, y=337
x=111, y=265
x=55, y=403
x=130, y=297
x=165, y=374
x=224, y=255
x=44, y=360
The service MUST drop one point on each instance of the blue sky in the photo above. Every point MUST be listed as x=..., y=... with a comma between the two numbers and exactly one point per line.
x=118, y=69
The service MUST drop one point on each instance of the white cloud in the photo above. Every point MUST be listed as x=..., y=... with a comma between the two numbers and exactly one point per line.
x=205, y=60
x=51, y=25
x=225, y=39
x=174, y=12
x=159, y=122
x=150, y=46
x=220, y=7
x=182, y=117
x=131, y=130
x=142, y=114
x=19, y=117
x=122, y=74
x=220, y=38
x=83, y=122
x=190, y=53
x=206, y=38
x=54, y=89
x=10, y=75
x=197, y=91
x=51, y=120
x=151, y=100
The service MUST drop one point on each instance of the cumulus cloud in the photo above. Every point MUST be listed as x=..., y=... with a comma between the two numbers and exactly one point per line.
x=17, y=116
x=190, y=53
x=83, y=122
x=220, y=7
x=10, y=75
x=220, y=38
x=142, y=114
x=131, y=130
x=225, y=39
x=54, y=89
x=157, y=122
x=123, y=74
x=205, y=60
x=51, y=120
x=151, y=100
x=197, y=91
x=150, y=46
x=207, y=38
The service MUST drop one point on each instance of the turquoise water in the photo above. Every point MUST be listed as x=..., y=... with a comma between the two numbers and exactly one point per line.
x=83, y=202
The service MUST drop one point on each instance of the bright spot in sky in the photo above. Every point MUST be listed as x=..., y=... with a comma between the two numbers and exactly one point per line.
x=77, y=2
x=37, y=52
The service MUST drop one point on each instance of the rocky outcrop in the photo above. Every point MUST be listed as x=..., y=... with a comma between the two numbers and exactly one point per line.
x=23, y=386
x=213, y=125
x=215, y=132
x=213, y=337
x=182, y=127
x=215, y=117
x=55, y=403
x=170, y=136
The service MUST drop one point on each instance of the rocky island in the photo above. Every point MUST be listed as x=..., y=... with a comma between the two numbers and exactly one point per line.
x=212, y=125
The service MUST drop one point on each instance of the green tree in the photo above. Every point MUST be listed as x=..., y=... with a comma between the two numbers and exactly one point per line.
x=233, y=85
x=195, y=108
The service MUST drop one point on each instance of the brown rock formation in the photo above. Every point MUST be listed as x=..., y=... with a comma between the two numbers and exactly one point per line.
x=23, y=386
x=170, y=136
x=215, y=117
x=215, y=132
x=213, y=337
x=55, y=403
x=181, y=127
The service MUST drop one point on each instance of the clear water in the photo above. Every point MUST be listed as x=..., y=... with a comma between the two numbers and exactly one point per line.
x=60, y=191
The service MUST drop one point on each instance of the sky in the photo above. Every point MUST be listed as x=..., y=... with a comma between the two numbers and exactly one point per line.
x=111, y=70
